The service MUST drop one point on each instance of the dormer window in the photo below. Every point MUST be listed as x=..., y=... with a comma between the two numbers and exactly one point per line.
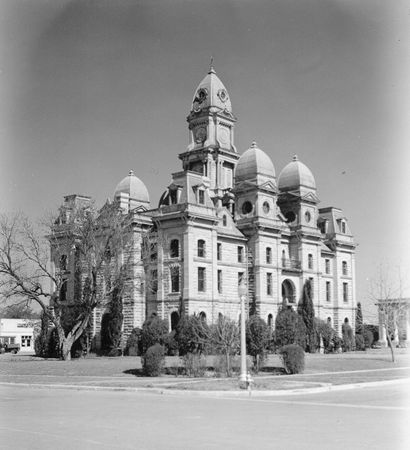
x=201, y=197
x=224, y=220
x=343, y=226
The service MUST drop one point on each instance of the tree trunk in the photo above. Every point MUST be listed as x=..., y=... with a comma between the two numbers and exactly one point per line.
x=65, y=348
x=389, y=343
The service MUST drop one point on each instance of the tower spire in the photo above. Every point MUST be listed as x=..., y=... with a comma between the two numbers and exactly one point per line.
x=211, y=65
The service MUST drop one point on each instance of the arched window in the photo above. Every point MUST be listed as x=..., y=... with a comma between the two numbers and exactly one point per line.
x=201, y=248
x=310, y=261
x=268, y=255
x=174, y=248
x=202, y=316
x=174, y=320
x=270, y=321
x=329, y=321
x=224, y=220
x=344, y=267
x=346, y=320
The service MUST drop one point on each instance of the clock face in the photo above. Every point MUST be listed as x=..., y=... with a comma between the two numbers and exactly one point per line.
x=223, y=136
x=200, y=135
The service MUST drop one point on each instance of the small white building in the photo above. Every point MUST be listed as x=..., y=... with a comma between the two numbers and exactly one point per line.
x=18, y=331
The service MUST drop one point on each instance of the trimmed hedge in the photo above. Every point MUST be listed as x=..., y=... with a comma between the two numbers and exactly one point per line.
x=293, y=358
x=154, y=360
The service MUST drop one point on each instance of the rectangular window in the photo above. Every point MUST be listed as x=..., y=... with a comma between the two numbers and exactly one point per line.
x=219, y=251
x=345, y=292
x=268, y=284
x=241, y=278
x=174, y=279
x=310, y=261
x=154, y=281
x=201, y=197
x=220, y=281
x=327, y=266
x=328, y=296
x=201, y=248
x=201, y=279
x=344, y=268
x=240, y=254
x=268, y=255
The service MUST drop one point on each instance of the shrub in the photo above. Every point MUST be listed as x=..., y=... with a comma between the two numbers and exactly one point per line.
x=153, y=360
x=289, y=328
x=171, y=344
x=53, y=344
x=293, y=358
x=307, y=313
x=154, y=331
x=257, y=339
x=195, y=365
x=359, y=341
x=347, y=333
x=133, y=343
x=368, y=338
x=190, y=334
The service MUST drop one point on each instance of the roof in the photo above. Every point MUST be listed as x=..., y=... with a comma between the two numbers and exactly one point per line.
x=252, y=163
x=132, y=186
x=294, y=175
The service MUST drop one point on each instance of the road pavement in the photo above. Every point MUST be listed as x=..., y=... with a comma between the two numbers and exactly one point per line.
x=367, y=418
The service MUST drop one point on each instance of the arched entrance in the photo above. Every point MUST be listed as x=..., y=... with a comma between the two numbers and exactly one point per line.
x=288, y=292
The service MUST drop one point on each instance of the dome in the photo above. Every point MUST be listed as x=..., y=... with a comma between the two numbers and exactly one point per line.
x=295, y=175
x=134, y=187
x=211, y=92
x=252, y=163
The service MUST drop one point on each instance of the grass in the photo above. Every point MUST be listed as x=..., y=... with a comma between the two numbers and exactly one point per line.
x=126, y=371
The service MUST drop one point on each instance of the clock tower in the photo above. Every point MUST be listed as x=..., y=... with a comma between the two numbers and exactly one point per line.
x=211, y=150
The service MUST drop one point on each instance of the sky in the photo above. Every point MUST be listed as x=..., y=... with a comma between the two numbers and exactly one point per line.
x=91, y=89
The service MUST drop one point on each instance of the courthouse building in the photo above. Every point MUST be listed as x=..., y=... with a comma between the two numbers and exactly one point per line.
x=226, y=217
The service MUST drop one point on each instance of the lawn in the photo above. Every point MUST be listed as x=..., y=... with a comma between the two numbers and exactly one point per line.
x=320, y=370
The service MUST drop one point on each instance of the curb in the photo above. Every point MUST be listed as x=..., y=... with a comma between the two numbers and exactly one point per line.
x=214, y=394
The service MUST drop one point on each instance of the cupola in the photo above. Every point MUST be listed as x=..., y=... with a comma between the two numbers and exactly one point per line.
x=254, y=165
x=295, y=176
x=132, y=191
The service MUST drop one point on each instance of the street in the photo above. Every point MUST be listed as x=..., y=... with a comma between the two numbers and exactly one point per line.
x=366, y=418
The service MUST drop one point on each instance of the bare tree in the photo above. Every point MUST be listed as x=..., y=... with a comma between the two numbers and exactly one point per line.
x=94, y=242
x=386, y=292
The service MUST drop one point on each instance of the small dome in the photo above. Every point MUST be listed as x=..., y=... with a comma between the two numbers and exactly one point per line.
x=211, y=92
x=134, y=187
x=295, y=175
x=254, y=162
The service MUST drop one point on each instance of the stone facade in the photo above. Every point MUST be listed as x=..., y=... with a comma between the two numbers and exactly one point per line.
x=227, y=217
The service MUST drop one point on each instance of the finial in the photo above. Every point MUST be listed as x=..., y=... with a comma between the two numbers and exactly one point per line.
x=131, y=173
x=295, y=158
x=211, y=65
x=254, y=144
